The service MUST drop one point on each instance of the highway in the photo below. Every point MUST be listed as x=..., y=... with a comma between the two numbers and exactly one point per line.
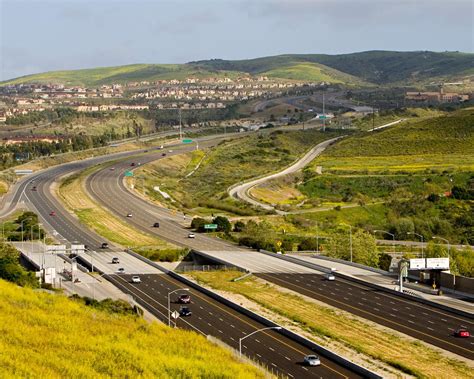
x=271, y=349
x=419, y=321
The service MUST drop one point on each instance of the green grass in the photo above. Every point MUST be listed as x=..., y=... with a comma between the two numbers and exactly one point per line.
x=374, y=343
x=229, y=163
x=442, y=143
x=50, y=336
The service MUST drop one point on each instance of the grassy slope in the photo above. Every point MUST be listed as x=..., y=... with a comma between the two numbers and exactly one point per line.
x=380, y=67
x=440, y=142
x=118, y=74
x=399, y=352
x=52, y=337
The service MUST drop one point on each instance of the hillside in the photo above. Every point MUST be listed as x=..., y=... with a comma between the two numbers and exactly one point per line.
x=50, y=336
x=378, y=67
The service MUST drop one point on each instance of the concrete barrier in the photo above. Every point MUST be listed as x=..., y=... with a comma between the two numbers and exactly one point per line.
x=264, y=321
x=372, y=285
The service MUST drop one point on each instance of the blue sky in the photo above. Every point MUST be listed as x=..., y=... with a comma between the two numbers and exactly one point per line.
x=38, y=36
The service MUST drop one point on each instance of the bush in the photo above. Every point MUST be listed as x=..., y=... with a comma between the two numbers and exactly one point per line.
x=223, y=224
x=11, y=269
x=239, y=226
x=198, y=224
x=308, y=244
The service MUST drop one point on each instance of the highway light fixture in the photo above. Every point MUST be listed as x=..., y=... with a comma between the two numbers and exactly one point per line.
x=259, y=330
x=169, y=302
x=421, y=237
x=445, y=240
x=391, y=234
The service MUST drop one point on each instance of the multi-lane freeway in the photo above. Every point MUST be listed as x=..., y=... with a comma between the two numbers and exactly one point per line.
x=210, y=317
x=424, y=322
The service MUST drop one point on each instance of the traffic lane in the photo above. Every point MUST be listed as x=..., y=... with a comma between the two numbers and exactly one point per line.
x=211, y=317
x=417, y=320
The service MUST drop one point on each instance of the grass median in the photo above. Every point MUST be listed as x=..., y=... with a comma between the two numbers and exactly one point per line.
x=327, y=325
x=74, y=196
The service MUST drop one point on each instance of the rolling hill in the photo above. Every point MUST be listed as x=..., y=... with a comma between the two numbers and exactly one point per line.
x=357, y=69
x=50, y=336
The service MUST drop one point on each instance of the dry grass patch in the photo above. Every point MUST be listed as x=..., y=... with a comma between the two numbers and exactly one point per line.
x=405, y=354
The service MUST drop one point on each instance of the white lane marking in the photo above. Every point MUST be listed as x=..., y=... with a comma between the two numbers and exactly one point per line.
x=272, y=349
x=431, y=322
x=256, y=340
x=305, y=368
x=444, y=320
x=220, y=331
x=411, y=322
x=376, y=309
x=258, y=355
x=391, y=314
x=232, y=326
x=273, y=364
x=430, y=328
x=287, y=358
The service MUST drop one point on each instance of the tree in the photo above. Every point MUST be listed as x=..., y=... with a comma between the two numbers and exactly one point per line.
x=239, y=226
x=198, y=224
x=223, y=224
x=11, y=270
x=364, y=247
x=308, y=244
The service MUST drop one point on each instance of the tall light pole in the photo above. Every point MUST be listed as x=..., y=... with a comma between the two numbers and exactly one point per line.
x=259, y=330
x=169, y=302
x=449, y=257
x=391, y=234
x=421, y=237
x=350, y=237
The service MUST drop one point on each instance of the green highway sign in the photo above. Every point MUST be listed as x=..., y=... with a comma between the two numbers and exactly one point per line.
x=187, y=141
x=128, y=173
x=210, y=226
x=323, y=117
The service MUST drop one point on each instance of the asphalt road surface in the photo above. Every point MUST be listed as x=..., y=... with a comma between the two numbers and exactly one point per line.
x=418, y=320
x=278, y=353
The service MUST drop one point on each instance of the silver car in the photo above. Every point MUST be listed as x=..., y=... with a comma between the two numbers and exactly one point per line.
x=312, y=360
x=330, y=277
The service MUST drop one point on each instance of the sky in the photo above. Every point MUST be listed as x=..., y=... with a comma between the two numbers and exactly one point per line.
x=38, y=36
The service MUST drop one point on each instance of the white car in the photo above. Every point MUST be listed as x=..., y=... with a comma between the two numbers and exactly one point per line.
x=120, y=270
x=191, y=235
x=170, y=151
x=136, y=279
x=330, y=277
x=312, y=360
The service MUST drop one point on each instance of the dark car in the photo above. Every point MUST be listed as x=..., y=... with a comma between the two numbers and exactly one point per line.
x=132, y=164
x=156, y=225
x=104, y=245
x=185, y=312
x=163, y=155
x=52, y=213
x=115, y=260
x=33, y=188
x=184, y=299
x=462, y=333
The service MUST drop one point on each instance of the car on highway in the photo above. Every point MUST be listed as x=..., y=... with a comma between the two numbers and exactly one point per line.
x=330, y=277
x=312, y=360
x=104, y=245
x=163, y=155
x=170, y=151
x=185, y=312
x=129, y=215
x=115, y=260
x=462, y=333
x=120, y=270
x=136, y=279
x=52, y=213
x=156, y=225
x=33, y=188
x=112, y=168
x=191, y=235
x=132, y=164
x=184, y=299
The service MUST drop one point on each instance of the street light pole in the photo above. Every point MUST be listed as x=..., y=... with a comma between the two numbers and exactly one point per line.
x=449, y=257
x=256, y=331
x=21, y=223
x=391, y=234
x=421, y=237
x=169, y=302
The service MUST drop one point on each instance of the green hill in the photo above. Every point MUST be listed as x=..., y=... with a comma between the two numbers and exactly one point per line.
x=50, y=336
x=376, y=67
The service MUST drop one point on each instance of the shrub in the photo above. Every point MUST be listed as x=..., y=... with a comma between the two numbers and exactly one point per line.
x=223, y=224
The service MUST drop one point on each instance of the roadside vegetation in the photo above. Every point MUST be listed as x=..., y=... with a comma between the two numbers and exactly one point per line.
x=339, y=330
x=11, y=269
x=56, y=337
x=74, y=196
x=233, y=161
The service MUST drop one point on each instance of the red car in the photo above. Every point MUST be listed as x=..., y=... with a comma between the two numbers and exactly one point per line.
x=132, y=164
x=463, y=333
x=52, y=213
x=184, y=299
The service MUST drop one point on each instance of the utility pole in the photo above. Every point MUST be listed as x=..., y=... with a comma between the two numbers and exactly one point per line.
x=324, y=116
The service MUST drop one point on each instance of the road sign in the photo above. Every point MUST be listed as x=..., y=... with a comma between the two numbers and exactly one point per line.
x=210, y=226
x=322, y=117
x=77, y=249
x=58, y=249
x=128, y=173
x=278, y=243
x=175, y=314
x=187, y=140
x=417, y=264
x=437, y=263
